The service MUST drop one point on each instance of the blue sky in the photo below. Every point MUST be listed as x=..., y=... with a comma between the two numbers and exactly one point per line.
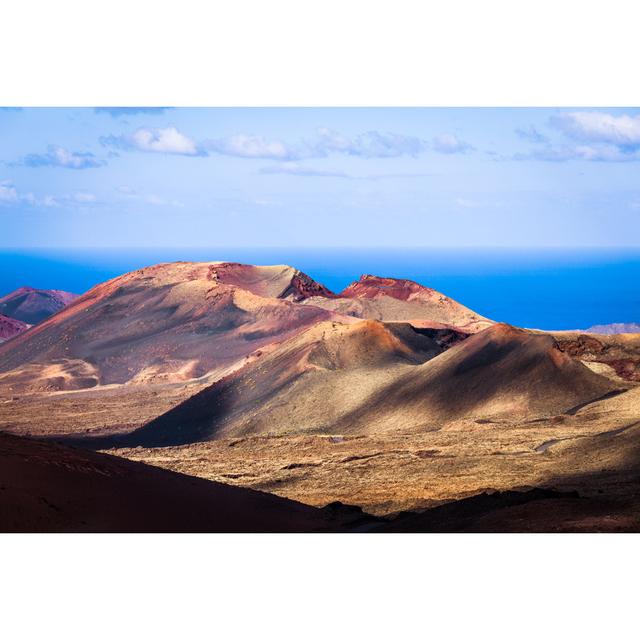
x=77, y=177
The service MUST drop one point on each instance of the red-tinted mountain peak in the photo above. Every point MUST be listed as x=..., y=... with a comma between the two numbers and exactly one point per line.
x=370, y=286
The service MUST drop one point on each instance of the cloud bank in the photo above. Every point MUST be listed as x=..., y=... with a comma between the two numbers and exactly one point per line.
x=9, y=195
x=371, y=144
x=595, y=127
x=595, y=136
x=168, y=140
x=449, y=143
x=60, y=157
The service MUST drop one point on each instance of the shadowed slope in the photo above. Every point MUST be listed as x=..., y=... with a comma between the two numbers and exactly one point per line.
x=501, y=372
x=34, y=305
x=368, y=378
x=534, y=511
x=305, y=385
x=45, y=487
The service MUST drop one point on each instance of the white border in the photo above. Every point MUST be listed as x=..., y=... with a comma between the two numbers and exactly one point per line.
x=306, y=586
x=330, y=53
x=347, y=52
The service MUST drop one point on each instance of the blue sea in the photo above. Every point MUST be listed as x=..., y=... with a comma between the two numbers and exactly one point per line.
x=542, y=288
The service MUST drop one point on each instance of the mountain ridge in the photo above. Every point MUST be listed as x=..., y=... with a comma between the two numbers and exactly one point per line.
x=31, y=305
x=410, y=384
x=178, y=321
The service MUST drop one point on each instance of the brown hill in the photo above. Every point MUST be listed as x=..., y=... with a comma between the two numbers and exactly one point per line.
x=371, y=378
x=34, y=305
x=10, y=327
x=46, y=487
x=397, y=300
x=165, y=323
x=499, y=373
x=307, y=384
x=182, y=321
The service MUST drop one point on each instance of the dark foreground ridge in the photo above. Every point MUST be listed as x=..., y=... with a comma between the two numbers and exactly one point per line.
x=47, y=488
x=537, y=510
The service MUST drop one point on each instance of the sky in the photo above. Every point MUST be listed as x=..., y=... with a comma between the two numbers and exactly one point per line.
x=314, y=177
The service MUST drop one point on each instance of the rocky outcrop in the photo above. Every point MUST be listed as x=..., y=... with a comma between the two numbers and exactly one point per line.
x=277, y=281
x=374, y=286
x=621, y=352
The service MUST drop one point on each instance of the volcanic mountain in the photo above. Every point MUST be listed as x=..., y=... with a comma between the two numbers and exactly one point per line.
x=372, y=377
x=305, y=385
x=399, y=300
x=34, y=305
x=169, y=322
x=181, y=321
x=616, y=327
x=500, y=373
x=10, y=327
x=50, y=488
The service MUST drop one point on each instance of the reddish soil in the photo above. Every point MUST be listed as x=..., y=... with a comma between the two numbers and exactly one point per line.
x=45, y=487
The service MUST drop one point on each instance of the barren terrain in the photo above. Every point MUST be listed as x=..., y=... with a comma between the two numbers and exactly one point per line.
x=593, y=451
x=388, y=396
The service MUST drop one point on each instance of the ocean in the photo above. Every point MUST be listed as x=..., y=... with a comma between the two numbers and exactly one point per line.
x=541, y=288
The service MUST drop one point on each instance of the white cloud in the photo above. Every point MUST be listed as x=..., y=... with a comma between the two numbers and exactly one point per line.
x=154, y=199
x=8, y=193
x=57, y=156
x=595, y=126
x=168, y=140
x=49, y=201
x=84, y=197
x=450, y=143
x=594, y=136
x=371, y=144
x=249, y=146
x=132, y=195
